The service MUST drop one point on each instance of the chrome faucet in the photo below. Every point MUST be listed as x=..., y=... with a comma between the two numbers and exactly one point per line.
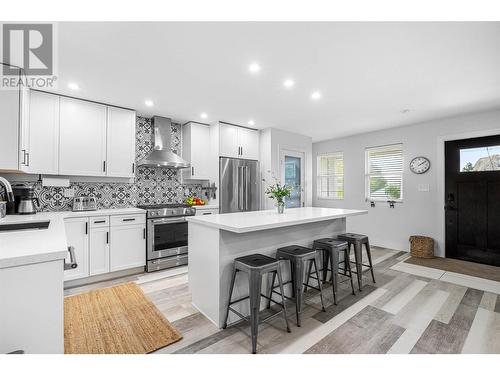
x=8, y=189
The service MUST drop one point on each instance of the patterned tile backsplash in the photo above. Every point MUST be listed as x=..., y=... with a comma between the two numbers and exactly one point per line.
x=151, y=185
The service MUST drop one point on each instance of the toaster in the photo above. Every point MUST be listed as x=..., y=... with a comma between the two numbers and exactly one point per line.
x=84, y=204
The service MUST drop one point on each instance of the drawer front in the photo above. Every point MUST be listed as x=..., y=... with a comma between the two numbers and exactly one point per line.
x=128, y=219
x=210, y=211
x=99, y=221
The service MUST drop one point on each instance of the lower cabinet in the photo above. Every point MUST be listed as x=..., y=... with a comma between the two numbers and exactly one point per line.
x=125, y=240
x=105, y=244
x=77, y=235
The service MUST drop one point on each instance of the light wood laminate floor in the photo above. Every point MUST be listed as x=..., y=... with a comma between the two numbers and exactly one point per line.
x=410, y=309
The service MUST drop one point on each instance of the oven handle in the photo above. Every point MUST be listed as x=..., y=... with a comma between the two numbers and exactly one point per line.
x=168, y=220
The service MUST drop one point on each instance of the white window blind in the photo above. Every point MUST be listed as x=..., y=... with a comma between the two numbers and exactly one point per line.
x=331, y=176
x=384, y=173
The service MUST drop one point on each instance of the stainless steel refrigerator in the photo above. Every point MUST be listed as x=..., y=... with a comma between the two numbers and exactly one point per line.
x=239, y=185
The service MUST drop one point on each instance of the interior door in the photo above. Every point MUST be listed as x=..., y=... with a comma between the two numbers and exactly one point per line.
x=292, y=174
x=472, y=185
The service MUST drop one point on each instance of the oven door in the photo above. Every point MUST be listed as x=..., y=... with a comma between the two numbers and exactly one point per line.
x=167, y=237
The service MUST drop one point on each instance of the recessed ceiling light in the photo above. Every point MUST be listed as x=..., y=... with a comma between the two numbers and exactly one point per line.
x=289, y=83
x=316, y=95
x=73, y=86
x=251, y=122
x=149, y=103
x=203, y=115
x=254, y=68
x=404, y=111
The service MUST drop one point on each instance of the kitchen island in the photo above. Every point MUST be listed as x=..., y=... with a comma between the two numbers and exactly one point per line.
x=216, y=240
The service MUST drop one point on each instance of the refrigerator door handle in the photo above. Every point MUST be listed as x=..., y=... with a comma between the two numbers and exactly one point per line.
x=240, y=188
x=247, y=181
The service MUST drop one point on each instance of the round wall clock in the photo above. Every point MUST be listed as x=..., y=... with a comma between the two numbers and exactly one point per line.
x=420, y=165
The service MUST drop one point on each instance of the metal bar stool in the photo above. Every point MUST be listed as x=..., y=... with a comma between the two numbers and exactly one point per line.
x=255, y=266
x=331, y=249
x=299, y=257
x=358, y=240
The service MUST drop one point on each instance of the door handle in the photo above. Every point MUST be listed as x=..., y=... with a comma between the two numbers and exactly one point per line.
x=240, y=188
x=28, y=159
x=144, y=233
x=247, y=179
x=107, y=237
x=24, y=157
x=86, y=228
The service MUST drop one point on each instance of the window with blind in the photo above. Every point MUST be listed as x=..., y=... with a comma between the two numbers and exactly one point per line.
x=331, y=176
x=384, y=173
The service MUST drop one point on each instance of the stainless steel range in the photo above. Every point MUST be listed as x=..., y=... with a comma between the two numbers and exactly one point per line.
x=167, y=235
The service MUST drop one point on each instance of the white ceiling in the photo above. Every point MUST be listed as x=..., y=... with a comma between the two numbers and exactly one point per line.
x=367, y=72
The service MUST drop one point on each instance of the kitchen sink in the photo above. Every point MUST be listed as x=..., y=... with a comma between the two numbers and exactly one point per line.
x=26, y=225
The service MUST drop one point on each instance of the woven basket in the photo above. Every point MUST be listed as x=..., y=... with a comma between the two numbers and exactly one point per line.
x=421, y=247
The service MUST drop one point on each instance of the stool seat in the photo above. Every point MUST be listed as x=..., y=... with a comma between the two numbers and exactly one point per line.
x=352, y=237
x=256, y=260
x=332, y=242
x=296, y=250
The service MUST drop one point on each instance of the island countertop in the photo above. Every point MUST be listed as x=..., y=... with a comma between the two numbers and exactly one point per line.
x=244, y=222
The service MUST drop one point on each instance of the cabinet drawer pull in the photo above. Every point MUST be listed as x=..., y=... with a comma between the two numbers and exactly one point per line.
x=206, y=213
x=99, y=221
x=131, y=219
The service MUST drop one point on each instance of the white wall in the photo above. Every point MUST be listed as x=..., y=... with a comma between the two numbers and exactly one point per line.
x=421, y=212
x=271, y=142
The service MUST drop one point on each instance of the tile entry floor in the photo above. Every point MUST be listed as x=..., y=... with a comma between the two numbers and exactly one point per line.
x=411, y=309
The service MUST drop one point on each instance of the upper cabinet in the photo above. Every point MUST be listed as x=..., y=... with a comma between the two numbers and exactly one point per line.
x=40, y=133
x=120, y=153
x=82, y=138
x=10, y=110
x=238, y=142
x=196, y=150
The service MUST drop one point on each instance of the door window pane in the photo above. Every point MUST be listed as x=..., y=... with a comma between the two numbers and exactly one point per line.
x=293, y=178
x=480, y=159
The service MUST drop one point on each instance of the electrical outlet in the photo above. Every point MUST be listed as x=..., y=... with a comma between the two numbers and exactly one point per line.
x=69, y=193
x=423, y=187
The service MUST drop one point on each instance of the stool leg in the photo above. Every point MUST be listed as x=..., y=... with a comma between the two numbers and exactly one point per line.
x=311, y=262
x=280, y=281
x=334, y=260
x=273, y=278
x=326, y=259
x=369, y=255
x=224, y=326
x=255, y=290
x=308, y=275
x=358, y=257
x=292, y=277
x=347, y=262
x=297, y=286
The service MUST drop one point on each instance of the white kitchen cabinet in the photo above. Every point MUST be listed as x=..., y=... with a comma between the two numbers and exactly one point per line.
x=77, y=233
x=82, y=140
x=120, y=153
x=238, y=142
x=10, y=110
x=127, y=246
x=40, y=152
x=196, y=150
x=99, y=250
x=249, y=143
x=206, y=211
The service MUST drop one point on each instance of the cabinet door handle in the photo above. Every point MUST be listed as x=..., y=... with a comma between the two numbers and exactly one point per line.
x=28, y=159
x=86, y=228
x=192, y=171
x=107, y=237
x=133, y=167
x=24, y=157
x=131, y=219
x=144, y=233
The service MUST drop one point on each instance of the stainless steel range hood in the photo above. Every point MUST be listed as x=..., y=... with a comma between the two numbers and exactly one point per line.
x=162, y=156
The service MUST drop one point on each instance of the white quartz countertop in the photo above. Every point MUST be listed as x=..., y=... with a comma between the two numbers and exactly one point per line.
x=30, y=246
x=243, y=222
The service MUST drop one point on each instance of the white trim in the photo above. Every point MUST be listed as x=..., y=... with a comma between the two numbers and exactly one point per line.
x=440, y=241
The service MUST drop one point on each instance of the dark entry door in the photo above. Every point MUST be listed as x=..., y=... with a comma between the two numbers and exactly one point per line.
x=472, y=185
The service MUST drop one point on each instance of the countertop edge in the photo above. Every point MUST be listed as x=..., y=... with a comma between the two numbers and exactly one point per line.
x=196, y=220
